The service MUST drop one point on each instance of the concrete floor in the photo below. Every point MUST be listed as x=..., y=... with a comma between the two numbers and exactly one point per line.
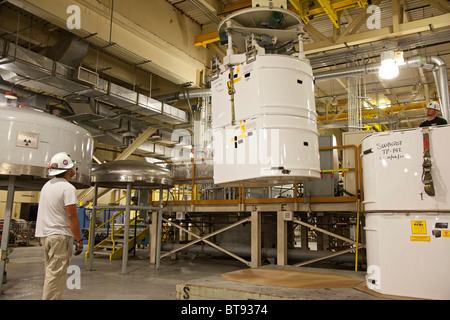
x=25, y=278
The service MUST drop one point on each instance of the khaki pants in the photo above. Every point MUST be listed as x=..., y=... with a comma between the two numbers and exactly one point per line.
x=57, y=254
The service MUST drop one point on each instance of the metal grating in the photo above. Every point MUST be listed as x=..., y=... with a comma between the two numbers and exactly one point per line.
x=192, y=10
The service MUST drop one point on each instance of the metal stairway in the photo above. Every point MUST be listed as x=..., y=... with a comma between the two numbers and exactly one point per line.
x=112, y=246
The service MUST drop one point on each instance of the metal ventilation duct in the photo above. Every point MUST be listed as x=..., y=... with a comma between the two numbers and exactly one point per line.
x=27, y=68
x=69, y=50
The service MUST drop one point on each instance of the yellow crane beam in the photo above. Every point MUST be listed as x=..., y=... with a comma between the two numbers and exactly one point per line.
x=301, y=7
x=320, y=7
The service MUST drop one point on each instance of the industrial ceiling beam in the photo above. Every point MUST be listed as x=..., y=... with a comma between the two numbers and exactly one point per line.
x=439, y=4
x=406, y=28
x=393, y=110
x=308, y=10
x=349, y=37
x=136, y=143
x=357, y=22
x=121, y=36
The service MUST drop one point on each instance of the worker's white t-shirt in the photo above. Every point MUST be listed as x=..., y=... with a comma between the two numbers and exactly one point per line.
x=52, y=219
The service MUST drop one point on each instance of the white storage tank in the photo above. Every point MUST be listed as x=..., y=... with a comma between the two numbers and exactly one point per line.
x=264, y=121
x=407, y=227
x=392, y=164
x=29, y=139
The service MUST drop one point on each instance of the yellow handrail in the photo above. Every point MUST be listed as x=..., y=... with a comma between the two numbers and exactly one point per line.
x=113, y=217
x=93, y=219
x=112, y=238
x=334, y=170
x=112, y=234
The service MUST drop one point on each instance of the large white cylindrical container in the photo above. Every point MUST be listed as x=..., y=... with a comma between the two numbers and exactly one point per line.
x=407, y=229
x=274, y=139
x=30, y=138
x=392, y=170
x=408, y=254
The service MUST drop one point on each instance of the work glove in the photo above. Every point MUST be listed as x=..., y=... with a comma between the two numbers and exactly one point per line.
x=78, y=247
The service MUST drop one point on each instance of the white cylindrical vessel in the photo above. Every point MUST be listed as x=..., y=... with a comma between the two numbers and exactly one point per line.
x=408, y=254
x=30, y=138
x=274, y=138
x=392, y=170
x=407, y=229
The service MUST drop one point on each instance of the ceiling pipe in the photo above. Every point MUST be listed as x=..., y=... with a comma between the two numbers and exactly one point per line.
x=347, y=72
x=394, y=109
x=185, y=95
x=439, y=68
x=436, y=64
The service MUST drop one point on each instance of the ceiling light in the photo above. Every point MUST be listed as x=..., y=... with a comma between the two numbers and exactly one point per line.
x=11, y=96
x=388, y=68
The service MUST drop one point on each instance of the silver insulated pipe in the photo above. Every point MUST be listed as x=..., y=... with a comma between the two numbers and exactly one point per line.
x=439, y=68
x=436, y=64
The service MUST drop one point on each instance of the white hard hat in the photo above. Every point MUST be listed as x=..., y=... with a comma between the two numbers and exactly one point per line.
x=433, y=105
x=60, y=163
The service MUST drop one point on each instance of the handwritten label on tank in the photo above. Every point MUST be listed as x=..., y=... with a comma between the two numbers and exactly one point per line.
x=391, y=150
x=27, y=139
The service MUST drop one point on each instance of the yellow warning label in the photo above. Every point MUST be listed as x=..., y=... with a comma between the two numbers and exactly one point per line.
x=243, y=129
x=420, y=238
x=239, y=137
x=446, y=233
x=418, y=227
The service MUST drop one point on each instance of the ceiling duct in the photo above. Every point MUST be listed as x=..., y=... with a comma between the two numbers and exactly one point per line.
x=29, y=69
x=25, y=68
x=185, y=95
x=69, y=50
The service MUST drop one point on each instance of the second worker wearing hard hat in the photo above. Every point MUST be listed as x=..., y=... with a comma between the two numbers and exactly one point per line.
x=432, y=118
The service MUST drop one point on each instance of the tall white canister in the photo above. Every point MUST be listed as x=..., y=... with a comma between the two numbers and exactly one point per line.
x=407, y=225
x=264, y=117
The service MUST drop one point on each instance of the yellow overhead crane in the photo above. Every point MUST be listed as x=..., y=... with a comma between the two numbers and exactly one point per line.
x=306, y=9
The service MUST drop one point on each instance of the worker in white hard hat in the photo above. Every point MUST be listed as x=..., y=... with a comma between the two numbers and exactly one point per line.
x=432, y=118
x=57, y=224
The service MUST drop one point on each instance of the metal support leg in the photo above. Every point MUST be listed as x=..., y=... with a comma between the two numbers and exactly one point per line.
x=159, y=233
x=153, y=237
x=6, y=227
x=256, y=239
x=281, y=239
x=92, y=230
x=126, y=238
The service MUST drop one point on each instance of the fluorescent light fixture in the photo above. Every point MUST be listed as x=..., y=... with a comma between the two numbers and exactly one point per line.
x=388, y=68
